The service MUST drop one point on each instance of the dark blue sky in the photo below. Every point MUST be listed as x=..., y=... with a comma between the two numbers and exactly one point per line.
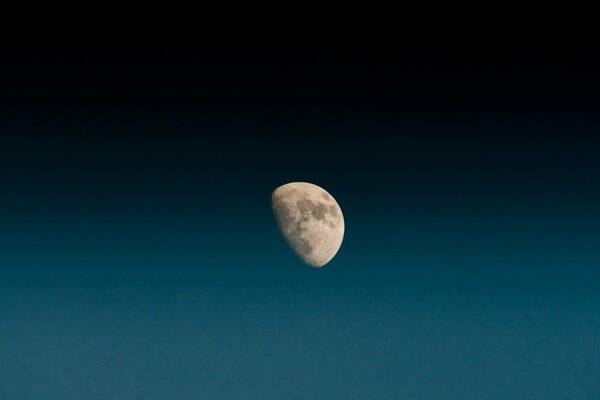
x=139, y=258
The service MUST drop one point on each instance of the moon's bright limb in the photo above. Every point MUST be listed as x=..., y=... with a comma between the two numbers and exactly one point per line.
x=310, y=220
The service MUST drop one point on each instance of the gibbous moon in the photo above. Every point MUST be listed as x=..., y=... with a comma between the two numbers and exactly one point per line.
x=310, y=220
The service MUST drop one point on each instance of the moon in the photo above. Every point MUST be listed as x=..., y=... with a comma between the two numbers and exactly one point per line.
x=310, y=220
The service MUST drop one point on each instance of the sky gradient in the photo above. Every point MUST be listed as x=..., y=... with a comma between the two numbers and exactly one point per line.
x=140, y=259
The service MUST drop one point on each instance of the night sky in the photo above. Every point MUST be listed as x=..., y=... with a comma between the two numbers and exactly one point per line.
x=140, y=259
